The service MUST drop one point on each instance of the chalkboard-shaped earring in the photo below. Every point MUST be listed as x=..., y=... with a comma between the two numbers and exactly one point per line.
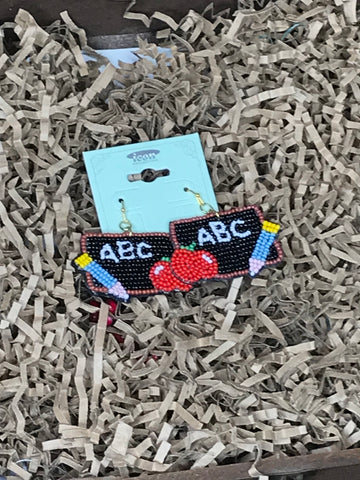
x=121, y=265
x=223, y=244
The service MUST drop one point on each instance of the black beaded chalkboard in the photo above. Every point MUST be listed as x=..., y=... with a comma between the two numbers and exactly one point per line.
x=230, y=236
x=126, y=257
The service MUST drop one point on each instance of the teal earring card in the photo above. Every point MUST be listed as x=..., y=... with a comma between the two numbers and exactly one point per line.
x=150, y=177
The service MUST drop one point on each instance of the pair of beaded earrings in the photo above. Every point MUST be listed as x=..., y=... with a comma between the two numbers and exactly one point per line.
x=215, y=245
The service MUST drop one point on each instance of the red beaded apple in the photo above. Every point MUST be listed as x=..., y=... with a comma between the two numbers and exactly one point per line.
x=163, y=279
x=191, y=265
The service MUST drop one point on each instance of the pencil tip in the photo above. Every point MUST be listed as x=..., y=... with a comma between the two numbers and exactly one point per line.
x=119, y=291
x=255, y=265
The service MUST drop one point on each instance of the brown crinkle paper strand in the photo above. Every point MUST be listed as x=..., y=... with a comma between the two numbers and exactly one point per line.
x=228, y=370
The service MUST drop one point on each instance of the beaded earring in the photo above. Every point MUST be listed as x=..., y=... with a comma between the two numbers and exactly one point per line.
x=120, y=265
x=215, y=245
x=223, y=244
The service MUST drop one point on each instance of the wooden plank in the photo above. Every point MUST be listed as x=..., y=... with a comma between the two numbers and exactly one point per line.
x=350, y=473
x=104, y=17
x=120, y=41
x=270, y=466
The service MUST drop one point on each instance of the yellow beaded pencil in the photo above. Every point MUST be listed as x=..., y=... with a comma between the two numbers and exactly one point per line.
x=115, y=288
x=261, y=251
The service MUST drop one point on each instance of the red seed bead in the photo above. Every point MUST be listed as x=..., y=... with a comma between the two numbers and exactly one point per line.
x=119, y=338
x=164, y=279
x=191, y=266
x=94, y=317
x=153, y=357
x=112, y=306
x=109, y=321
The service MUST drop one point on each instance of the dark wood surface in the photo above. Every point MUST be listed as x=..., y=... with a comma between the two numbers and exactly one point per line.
x=334, y=464
x=105, y=17
x=343, y=473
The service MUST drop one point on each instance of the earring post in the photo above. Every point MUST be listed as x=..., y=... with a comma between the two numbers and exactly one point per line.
x=125, y=224
x=204, y=206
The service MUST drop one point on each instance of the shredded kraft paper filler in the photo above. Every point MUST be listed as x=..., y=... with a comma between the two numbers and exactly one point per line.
x=231, y=368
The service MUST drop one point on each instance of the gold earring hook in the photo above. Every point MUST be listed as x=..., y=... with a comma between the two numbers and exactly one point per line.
x=125, y=224
x=204, y=207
